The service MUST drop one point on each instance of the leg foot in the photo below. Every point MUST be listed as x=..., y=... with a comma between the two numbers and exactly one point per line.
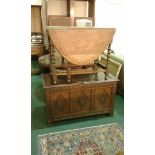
x=49, y=122
x=111, y=114
x=69, y=80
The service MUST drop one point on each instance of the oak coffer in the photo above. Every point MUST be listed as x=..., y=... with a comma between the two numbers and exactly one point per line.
x=86, y=95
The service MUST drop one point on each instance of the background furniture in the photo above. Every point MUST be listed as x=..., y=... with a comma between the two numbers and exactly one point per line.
x=114, y=66
x=87, y=95
x=70, y=18
x=119, y=59
x=36, y=24
x=65, y=18
x=37, y=44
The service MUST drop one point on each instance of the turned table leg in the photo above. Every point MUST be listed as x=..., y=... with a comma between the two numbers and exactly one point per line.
x=107, y=62
x=52, y=65
x=62, y=61
x=54, y=75
x=68, y=74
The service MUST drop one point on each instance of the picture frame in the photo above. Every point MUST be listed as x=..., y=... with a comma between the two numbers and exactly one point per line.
x=114, y=66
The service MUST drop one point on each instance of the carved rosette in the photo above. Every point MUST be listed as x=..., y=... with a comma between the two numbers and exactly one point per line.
x=61, y=105
x=102, y=99
x=80, y=101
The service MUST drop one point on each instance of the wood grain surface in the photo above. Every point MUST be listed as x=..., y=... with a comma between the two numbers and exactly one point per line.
x=81, y=46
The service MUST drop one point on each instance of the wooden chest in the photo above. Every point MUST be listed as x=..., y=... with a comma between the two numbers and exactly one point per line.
x=87, y=95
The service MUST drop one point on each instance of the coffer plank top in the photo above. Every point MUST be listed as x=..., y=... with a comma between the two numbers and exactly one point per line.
x=78, y=80
x=81, y=46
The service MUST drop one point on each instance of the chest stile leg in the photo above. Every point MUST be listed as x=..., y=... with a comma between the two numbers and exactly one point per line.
x=52, y=64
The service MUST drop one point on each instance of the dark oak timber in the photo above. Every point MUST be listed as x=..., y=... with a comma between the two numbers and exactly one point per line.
x=86, y=95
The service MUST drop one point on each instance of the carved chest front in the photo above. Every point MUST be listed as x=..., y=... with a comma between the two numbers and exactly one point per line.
x=79, y=99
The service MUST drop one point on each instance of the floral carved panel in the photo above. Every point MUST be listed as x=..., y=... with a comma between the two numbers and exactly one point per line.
x=60, y=104
x=81, y=101
x=102, y=98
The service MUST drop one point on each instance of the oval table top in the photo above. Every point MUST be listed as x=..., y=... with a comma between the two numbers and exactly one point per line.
x=81, y=46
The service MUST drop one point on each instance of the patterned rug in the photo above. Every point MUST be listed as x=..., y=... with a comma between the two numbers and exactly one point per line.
x=98, y=140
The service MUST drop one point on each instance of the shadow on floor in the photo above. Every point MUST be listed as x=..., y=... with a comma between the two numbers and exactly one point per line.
x=39, y=93
x=39, y=119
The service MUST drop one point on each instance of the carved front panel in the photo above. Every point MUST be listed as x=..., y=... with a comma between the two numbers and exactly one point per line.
x=60, y=103
x=102, y=98
x=81, y=101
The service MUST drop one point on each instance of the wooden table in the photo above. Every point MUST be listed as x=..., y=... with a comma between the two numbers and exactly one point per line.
x=86, y=95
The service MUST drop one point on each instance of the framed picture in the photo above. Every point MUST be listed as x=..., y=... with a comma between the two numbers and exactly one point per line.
x=114, y=66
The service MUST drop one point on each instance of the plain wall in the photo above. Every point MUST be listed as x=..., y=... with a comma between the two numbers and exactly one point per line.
x=110, y=13
x=36, y=2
